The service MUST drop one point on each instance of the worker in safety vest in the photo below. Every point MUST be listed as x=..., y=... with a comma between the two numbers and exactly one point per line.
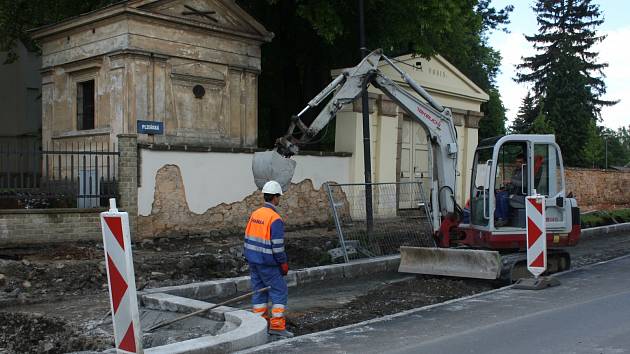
x=264, y=250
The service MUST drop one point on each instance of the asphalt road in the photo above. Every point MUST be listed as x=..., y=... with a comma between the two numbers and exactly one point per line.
x=588, y=313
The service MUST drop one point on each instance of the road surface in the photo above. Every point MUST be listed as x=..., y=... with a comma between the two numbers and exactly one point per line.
x=588, y=313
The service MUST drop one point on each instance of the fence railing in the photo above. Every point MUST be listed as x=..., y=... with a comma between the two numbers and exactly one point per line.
x=400, y=216
x=66, y=175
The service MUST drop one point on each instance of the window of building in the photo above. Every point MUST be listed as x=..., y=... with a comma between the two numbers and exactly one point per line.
x=85, y=105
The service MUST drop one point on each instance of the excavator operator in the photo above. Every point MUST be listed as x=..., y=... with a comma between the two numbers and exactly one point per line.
x=515, y=186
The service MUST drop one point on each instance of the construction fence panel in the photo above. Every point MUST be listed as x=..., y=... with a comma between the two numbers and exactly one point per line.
x=398, y=215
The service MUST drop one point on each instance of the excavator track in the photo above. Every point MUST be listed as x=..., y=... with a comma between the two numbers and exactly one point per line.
x=514, y=265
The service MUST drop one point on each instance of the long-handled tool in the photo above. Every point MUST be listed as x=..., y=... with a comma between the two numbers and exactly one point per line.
x=166, y=323
x=109, y=312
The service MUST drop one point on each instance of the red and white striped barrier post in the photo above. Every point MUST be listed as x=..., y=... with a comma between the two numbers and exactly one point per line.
x=122, y=283
x=536, y=245
x=536, y=235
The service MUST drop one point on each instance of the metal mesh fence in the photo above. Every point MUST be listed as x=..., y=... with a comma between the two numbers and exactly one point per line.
x=398, y=215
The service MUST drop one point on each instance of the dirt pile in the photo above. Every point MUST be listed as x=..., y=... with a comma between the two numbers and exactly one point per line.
x=33, y=333
x=45, y=274
x=386, y=300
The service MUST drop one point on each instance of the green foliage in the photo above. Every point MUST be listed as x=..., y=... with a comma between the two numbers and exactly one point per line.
x=527, y=113
x=606, y=147
x=494, y=121
x=541, y=125
x=18, y=16
x=621, y=215
x=315, y=36
x=603, y=217
x=593, y=149
x=567, y=79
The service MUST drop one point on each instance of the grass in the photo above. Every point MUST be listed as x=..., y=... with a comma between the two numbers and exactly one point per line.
x=601, y=218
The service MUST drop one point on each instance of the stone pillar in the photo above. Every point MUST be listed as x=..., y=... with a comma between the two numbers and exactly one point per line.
x=128, y=177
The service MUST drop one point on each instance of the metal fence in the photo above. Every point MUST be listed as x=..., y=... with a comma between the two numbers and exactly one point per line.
x=66, y=175
x=399, y=215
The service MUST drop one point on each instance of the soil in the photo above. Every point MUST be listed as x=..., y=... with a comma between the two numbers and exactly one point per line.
x=385, y=300
x=36, y=274
x=36, y=333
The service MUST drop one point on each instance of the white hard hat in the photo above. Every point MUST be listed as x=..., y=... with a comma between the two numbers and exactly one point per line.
x=272, y=187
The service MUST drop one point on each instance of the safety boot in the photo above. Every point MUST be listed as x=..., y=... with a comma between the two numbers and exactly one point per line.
x=281, y=333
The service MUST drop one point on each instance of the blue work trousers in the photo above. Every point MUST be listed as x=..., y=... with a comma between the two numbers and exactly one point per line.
x=268, y=275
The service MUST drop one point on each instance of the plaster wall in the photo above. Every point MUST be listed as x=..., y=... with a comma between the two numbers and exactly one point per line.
x=212, y=178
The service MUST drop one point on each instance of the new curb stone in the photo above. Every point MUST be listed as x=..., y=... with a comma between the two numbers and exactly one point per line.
x=603, y=230
x=242, y=329
x=230, y=286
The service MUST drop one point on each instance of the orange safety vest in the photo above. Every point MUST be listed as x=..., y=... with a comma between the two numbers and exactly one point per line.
x=259, y=246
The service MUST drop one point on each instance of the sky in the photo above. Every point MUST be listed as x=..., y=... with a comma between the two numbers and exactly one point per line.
x=614, y=50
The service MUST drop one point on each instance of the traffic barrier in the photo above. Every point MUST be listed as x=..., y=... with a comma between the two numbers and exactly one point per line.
x=536, y=235
x=121, y=279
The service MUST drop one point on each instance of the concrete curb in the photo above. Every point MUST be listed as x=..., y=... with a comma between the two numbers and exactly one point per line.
x=242, y=329
x=604, y=230
x=231, y=286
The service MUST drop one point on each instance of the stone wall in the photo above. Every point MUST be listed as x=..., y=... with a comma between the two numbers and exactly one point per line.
x=32, y=227
x=302, y=206
x=598, y=189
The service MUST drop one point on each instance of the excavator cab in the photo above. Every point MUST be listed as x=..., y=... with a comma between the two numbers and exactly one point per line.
x=505, y=171
x=490, y=240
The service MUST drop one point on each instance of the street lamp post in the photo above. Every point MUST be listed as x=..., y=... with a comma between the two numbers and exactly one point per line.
x=367, y=157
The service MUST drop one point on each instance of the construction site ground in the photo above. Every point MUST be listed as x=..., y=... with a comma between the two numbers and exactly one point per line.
x=52, y=299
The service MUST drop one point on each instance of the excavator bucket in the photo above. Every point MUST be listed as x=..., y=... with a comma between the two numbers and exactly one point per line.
x=450, y=262
x=271, y=166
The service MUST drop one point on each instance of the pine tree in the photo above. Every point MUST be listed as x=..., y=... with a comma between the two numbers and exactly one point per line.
x=541, y=125
x=593, y=150
x=566, y=77
x=525, y=117
x=493, y=122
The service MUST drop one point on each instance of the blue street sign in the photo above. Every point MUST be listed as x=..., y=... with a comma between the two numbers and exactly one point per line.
x=150, y=127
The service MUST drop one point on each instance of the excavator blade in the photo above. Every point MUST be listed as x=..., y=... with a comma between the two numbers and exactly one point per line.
x=271, y=166
x=450, y=262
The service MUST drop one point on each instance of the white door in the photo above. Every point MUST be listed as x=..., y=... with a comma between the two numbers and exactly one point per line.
x=414, y=160
x=547, y=176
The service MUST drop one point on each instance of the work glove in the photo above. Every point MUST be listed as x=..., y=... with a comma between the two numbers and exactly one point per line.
x=284, y=268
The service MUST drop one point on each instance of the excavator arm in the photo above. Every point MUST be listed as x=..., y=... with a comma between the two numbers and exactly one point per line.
x=348, y=86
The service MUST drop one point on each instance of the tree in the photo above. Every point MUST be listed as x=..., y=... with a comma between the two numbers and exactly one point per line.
x=494, y=120
x=566, y=77
x=18, y=16
x=541, y=125
x=481, y=63
x=313, y=37
x=592, y=152
x=616, y=146
x=527, y=113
